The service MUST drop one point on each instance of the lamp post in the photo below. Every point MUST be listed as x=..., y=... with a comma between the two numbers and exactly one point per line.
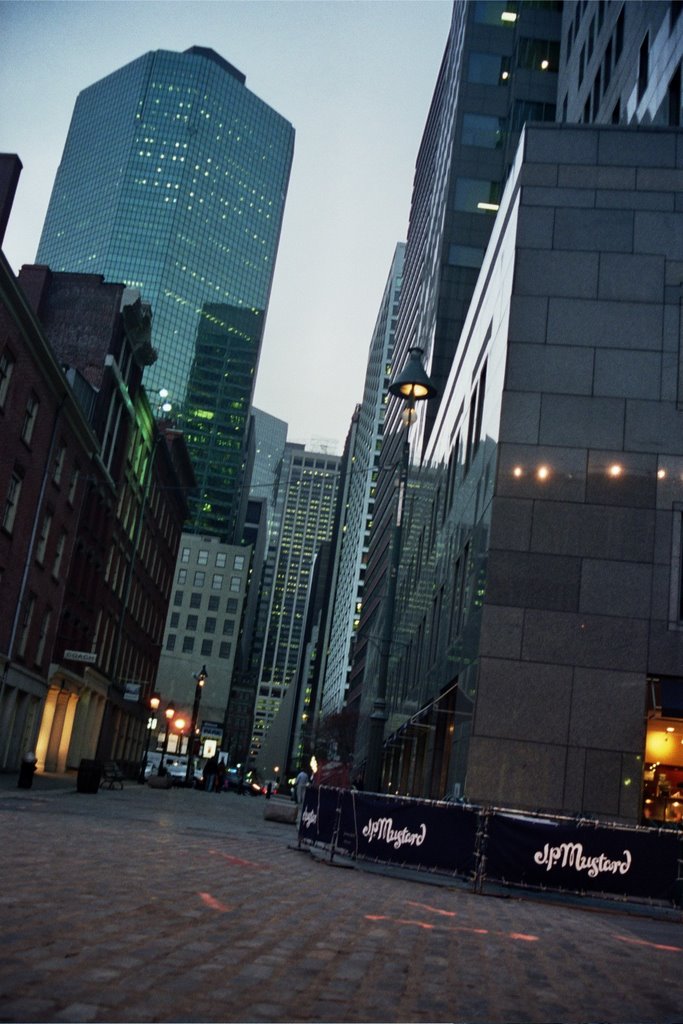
x=413, y=385
x=169, y=715
x=154, y=702
x=201, y=679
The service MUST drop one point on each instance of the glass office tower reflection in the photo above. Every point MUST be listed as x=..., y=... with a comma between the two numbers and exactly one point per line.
x=173, y=180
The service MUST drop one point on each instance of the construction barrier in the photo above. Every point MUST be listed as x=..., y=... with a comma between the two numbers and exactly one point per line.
x=491, y=845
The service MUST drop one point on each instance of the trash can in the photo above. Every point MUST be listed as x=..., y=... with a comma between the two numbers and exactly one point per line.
x=89, y=776
x=27, y=770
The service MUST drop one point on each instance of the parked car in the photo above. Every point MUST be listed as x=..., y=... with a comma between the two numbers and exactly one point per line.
x=152, y=765
x=176, y=767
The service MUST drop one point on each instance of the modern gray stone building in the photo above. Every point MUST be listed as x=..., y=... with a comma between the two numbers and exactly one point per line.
x=540, y=590
x=536, y=659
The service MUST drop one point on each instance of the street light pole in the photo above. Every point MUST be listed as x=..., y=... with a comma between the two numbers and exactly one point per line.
x=154, y=702
x=412, y=384
x=169, y=715
x=201, y=679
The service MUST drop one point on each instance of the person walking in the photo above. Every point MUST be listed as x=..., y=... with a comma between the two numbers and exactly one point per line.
x=300, y=784
x=210, y=770
x=220, y=776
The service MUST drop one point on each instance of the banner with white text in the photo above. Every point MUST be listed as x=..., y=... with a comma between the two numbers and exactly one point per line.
x=415, y=833
x=581, y=857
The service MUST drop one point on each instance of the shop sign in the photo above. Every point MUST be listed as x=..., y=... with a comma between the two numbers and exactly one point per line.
x=212, y=731
x=131, y=691
x=83, y=656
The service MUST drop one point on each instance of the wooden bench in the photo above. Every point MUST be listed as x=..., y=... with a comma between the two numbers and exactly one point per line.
x=111, y=775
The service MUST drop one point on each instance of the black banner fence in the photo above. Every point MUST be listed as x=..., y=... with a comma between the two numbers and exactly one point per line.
x=490, y=845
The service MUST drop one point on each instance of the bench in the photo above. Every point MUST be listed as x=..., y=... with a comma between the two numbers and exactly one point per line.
x=111, y=775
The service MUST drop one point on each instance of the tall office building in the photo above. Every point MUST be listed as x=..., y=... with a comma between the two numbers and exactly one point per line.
x=498, y=71
x=203, y=626
x=536, y=656
x=360, y=483
x=305, y=510
x=173, y=180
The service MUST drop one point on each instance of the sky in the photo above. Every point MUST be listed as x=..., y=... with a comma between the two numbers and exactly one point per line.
x=354, y=77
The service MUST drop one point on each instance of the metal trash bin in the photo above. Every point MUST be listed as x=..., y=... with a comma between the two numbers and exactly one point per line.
x=27, y=770
x=89, y=776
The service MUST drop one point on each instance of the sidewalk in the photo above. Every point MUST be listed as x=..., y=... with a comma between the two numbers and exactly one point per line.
x=178, y=905
x=45, y=782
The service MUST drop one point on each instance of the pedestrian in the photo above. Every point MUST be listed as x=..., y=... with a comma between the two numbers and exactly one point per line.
x=220, y=776
x=210, y=770
x=300, y=784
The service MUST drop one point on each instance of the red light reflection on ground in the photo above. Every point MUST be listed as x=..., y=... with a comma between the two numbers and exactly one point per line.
x=650, y=945
x=427, y=926
x=238, y=861
x=210, y=901
x=433, y=910
x=400, y=920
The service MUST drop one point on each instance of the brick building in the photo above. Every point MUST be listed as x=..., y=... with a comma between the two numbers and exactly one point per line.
x=102, y=519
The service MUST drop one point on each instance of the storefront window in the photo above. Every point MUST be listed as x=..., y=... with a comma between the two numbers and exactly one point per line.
x=663, y=774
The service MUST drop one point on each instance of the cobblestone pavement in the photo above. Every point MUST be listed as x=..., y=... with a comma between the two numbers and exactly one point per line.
x=151, y=905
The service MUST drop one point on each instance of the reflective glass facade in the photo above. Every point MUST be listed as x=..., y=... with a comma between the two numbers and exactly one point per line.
x=467, y=148
x=173, y=180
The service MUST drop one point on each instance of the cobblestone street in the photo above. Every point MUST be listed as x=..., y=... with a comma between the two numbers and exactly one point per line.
x=177, y=905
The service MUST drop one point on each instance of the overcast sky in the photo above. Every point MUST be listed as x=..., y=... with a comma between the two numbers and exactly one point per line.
x=354, y=77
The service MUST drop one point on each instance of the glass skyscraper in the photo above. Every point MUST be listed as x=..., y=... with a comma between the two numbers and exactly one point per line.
x=173, y=180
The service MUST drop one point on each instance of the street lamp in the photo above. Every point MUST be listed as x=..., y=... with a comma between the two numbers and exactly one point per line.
x=168, y=714
x=154, y=702
x=201, y=679
x=413, y=385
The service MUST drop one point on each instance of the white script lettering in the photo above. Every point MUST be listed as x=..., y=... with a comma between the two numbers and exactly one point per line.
x=383, y=829
x=571, y=855
x=309, y=818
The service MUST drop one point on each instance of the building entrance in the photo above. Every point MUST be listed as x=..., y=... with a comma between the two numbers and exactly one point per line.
x=663, y=771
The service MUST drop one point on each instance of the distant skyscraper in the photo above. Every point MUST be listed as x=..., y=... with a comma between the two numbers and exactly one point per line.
x=173, y=180
x=270, y=437
x=305, y=509
x=361, y=484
